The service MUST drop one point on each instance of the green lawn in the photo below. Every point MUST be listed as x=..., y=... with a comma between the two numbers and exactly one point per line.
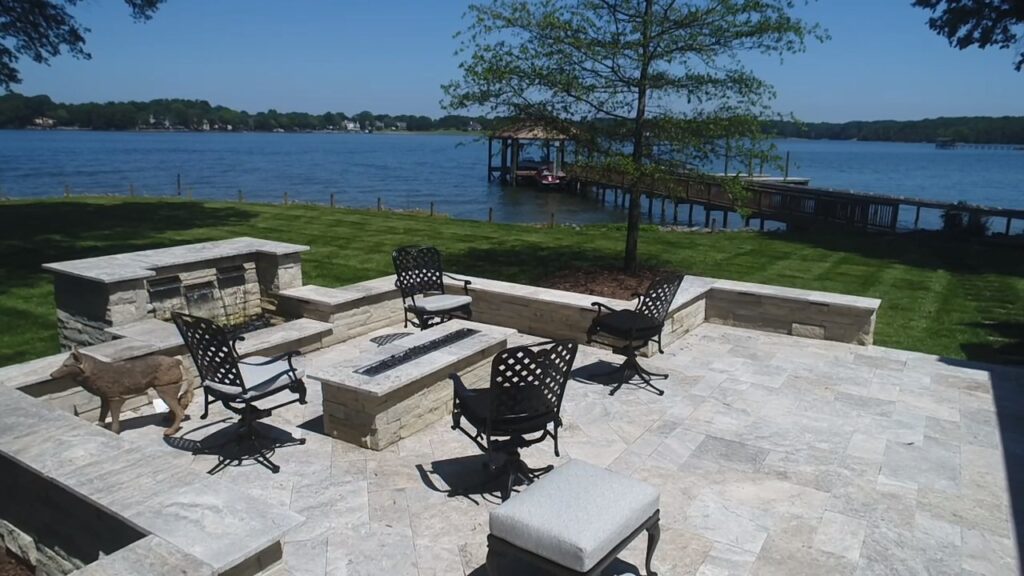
x=956, y=299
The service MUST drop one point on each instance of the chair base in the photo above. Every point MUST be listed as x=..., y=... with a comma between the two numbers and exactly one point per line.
x=496, y=546
x=630, y=369
x=248, y=443
x=512, y=471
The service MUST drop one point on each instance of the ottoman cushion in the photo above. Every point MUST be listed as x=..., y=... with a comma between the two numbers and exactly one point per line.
x=575, y=515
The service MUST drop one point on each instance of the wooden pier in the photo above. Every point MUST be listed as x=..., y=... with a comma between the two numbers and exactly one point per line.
x=796, y=205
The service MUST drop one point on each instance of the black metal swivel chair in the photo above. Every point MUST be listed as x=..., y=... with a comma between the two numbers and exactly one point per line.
x=524, y=398
x=627, y=331
x=420, y=279
x=239, y=383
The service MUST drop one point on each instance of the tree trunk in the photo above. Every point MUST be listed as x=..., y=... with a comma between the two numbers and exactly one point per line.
x=632, y=263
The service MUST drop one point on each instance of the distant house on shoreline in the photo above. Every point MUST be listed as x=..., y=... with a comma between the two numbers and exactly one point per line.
x=43, y=122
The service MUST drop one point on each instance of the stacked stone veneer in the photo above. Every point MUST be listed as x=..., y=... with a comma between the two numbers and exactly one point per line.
x=227, y=280
x=558, y=314
x=351, y=310
x=818, y=315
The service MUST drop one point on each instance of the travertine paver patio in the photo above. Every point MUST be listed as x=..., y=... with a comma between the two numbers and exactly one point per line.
x=773, y=454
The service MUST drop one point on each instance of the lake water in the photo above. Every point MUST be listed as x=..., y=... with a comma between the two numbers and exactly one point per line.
x=409, y=171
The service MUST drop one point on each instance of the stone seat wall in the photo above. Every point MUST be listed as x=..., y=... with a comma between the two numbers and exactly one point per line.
x=144, y=338
x=83, y=492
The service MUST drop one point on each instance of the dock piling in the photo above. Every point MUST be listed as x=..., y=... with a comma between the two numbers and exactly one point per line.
x=690, y=220
x=490, y=214
x=431, y=208
x=285, y=199
x=332, y=199
x=179, y=183
x=552, y=220
x=379, y=205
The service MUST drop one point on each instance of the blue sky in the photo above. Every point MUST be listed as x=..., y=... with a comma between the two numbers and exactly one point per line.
x=391, y=56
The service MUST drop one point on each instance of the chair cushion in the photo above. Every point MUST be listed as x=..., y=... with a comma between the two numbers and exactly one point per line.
x=623, y=323
x=475, y=405
x=261, y=375
x=441, y=302
x=575, y=515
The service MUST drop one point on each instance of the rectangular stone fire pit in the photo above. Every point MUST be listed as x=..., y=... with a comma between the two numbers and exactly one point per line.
x=376, y=399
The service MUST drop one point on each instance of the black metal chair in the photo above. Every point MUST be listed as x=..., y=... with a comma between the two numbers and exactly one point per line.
x=239, y=383
x=420, y=279
x=524, y=398
x=627, y=331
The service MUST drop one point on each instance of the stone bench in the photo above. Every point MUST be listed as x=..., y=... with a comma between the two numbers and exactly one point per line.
x=559, y=314
x=144, y=337
x=151, y=556
x=90, y=492
x=574, y=521
x=806, y=313
x=377, y=411
x=352, y=310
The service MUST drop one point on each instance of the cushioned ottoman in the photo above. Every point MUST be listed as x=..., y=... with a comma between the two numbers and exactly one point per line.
x=575, y=520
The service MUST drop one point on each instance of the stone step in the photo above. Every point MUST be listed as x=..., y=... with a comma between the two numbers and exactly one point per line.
x=302, y=334
x=163, y=337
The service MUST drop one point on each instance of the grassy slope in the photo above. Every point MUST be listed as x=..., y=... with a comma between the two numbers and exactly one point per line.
x=955, y=299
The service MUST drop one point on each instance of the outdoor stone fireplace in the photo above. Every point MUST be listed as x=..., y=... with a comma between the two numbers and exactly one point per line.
x=227, y=281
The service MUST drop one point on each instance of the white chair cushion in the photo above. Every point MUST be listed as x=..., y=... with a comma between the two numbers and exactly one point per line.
x=441, y=302
x=261, y=375
x=575, y=515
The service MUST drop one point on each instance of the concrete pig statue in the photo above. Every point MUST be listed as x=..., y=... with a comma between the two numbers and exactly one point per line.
x=116, y=382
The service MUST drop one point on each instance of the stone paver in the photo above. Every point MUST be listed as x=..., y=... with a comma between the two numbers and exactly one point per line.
x=773, y=454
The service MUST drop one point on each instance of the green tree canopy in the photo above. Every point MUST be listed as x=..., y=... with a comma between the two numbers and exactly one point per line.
x=644, y=85
x=43, y=29
x=980, y=23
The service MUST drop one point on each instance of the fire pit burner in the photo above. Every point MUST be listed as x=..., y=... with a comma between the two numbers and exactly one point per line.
x=414, y=352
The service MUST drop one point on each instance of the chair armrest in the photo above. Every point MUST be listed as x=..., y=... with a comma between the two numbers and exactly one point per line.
x=601, y=306
x=234, y=344
x=285, y=357
x=465, y=283
x=457, y=381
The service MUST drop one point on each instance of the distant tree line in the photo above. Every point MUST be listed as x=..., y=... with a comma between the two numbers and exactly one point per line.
x=967, y=129
x=20, y=111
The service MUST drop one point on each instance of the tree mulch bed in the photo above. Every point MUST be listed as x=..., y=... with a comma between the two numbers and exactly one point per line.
x=12, y=566
x=603, y=282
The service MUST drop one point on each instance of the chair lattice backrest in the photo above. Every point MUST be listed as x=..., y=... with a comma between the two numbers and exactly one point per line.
x=418, y=270
x=211, y=350
x=659, y=296
x=530, y=381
